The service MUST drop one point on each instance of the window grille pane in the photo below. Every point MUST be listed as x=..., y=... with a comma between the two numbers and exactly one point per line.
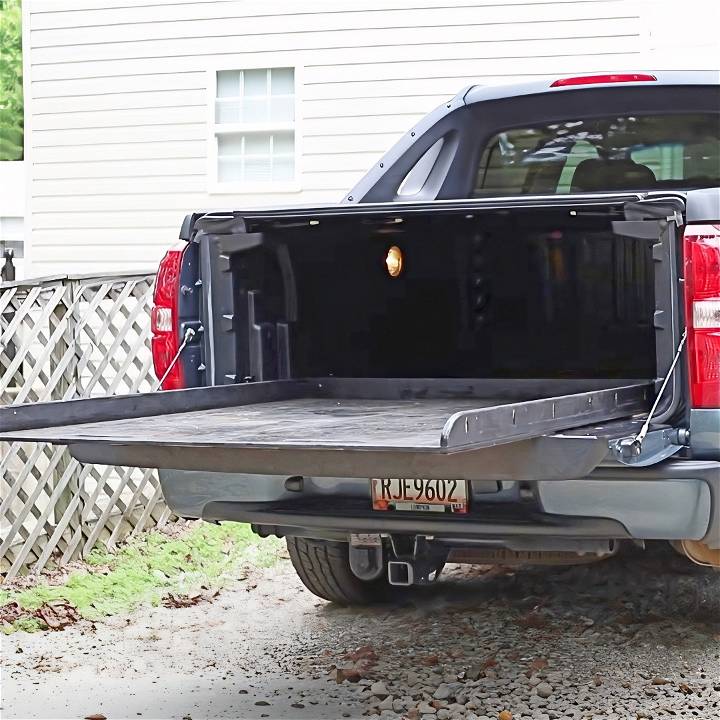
x=282, y=81
x=255, y=83
x=282, y=109
x=229, y=170
x=227, y=112
x=228, y=83
x=257, y=144
x=11, y=228
x=15, y=245
x=284, y=143
x=255, y=110
x=283, y=167
x=230, y=145
x=257, y=168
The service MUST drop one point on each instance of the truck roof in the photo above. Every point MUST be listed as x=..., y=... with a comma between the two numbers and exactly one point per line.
x=480, y=93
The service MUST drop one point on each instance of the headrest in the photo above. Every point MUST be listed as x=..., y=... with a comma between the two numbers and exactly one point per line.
x=594, y=175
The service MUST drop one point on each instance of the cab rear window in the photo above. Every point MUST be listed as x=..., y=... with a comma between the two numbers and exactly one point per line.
x=630, y=152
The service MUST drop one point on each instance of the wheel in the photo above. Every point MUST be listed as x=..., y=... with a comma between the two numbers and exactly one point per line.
x=324, y=568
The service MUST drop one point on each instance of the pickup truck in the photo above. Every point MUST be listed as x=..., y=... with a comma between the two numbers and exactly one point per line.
x=502, y=346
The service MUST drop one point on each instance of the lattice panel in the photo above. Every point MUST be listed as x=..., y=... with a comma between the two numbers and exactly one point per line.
x=65, y=338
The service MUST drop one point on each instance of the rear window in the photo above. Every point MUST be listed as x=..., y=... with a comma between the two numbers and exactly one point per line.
x=631, y=152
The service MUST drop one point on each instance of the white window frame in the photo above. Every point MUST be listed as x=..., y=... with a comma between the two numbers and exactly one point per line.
x=215, y=187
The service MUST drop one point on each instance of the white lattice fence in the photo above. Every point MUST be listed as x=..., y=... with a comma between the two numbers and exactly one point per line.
x=63, y=338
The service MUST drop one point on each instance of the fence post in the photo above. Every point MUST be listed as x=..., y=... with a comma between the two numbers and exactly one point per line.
x=63, y=389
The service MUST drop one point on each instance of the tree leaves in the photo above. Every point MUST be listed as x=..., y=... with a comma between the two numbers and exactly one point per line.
x=11, y=90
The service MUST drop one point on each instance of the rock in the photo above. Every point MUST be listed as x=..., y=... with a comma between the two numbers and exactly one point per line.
x=379, y=690
x=443, y=714
x=387, y=703
x=412, y=678
x=474, y=672
x=350, y=674
x=544, y=690
x=660, y=681
x=505, y=715
x=430, y=660
x=425, y=708
x=443, y=692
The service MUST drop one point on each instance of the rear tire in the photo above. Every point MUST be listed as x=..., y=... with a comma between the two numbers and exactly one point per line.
x=323, y=567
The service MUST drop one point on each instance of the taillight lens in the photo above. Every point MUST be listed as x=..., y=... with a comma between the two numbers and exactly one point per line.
x=165, y=322
x=702, y=313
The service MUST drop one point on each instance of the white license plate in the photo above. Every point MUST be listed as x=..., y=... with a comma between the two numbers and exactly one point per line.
x=419, y=495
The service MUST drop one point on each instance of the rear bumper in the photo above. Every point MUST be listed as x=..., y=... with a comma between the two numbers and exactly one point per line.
x=674, y=500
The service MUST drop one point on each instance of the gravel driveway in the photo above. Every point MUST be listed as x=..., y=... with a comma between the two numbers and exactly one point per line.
x=634, y=637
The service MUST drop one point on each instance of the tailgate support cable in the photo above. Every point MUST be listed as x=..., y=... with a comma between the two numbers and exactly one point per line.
x=630, y=449
x=189, y=335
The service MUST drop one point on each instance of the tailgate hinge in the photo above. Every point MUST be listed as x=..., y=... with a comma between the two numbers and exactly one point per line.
x=649, y=447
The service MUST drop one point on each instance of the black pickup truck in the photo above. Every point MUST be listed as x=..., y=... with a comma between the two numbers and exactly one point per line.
x=502, y=346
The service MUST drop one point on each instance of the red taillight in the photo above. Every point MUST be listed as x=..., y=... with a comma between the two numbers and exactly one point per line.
x=164, y=321
x=702, y=313
x=600, y=79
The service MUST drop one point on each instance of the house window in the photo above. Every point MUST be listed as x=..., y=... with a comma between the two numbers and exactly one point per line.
x=254, y=126
x=11, y=247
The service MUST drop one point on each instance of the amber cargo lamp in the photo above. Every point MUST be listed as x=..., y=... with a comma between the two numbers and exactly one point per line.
x=394, y=261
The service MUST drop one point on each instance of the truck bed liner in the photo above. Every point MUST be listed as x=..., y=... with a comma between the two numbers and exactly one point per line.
x=330, y=426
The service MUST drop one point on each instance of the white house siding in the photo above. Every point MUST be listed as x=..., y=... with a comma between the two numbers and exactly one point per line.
x=118, y=105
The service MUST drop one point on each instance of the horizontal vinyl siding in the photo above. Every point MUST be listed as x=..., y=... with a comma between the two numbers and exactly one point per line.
x=119, y=97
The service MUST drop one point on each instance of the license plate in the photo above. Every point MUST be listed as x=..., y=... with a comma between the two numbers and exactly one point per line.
x=419, y=495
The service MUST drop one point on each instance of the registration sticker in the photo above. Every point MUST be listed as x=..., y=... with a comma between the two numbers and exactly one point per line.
x=420, y=495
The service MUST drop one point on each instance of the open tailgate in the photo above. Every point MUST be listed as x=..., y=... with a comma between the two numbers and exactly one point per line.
x=463, y=429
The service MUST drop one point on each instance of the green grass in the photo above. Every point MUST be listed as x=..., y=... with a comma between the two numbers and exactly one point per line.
x=147, y=568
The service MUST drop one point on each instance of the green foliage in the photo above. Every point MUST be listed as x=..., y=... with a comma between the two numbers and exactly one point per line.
x=26, y=624
x=11, y=90
x=149, y=567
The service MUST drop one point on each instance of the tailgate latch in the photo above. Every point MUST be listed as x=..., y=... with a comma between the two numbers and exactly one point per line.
x=652, y=446
x=655, y=446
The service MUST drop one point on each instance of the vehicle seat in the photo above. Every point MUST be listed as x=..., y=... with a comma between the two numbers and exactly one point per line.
x=595, y=175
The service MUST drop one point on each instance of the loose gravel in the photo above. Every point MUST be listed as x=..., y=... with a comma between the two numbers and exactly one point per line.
x=634, y=637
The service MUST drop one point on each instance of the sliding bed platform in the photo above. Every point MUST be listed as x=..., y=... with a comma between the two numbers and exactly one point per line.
x=345, y=427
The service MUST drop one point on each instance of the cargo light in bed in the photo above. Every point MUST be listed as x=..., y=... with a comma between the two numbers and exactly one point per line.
x=702, y=313
x=164, y=321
